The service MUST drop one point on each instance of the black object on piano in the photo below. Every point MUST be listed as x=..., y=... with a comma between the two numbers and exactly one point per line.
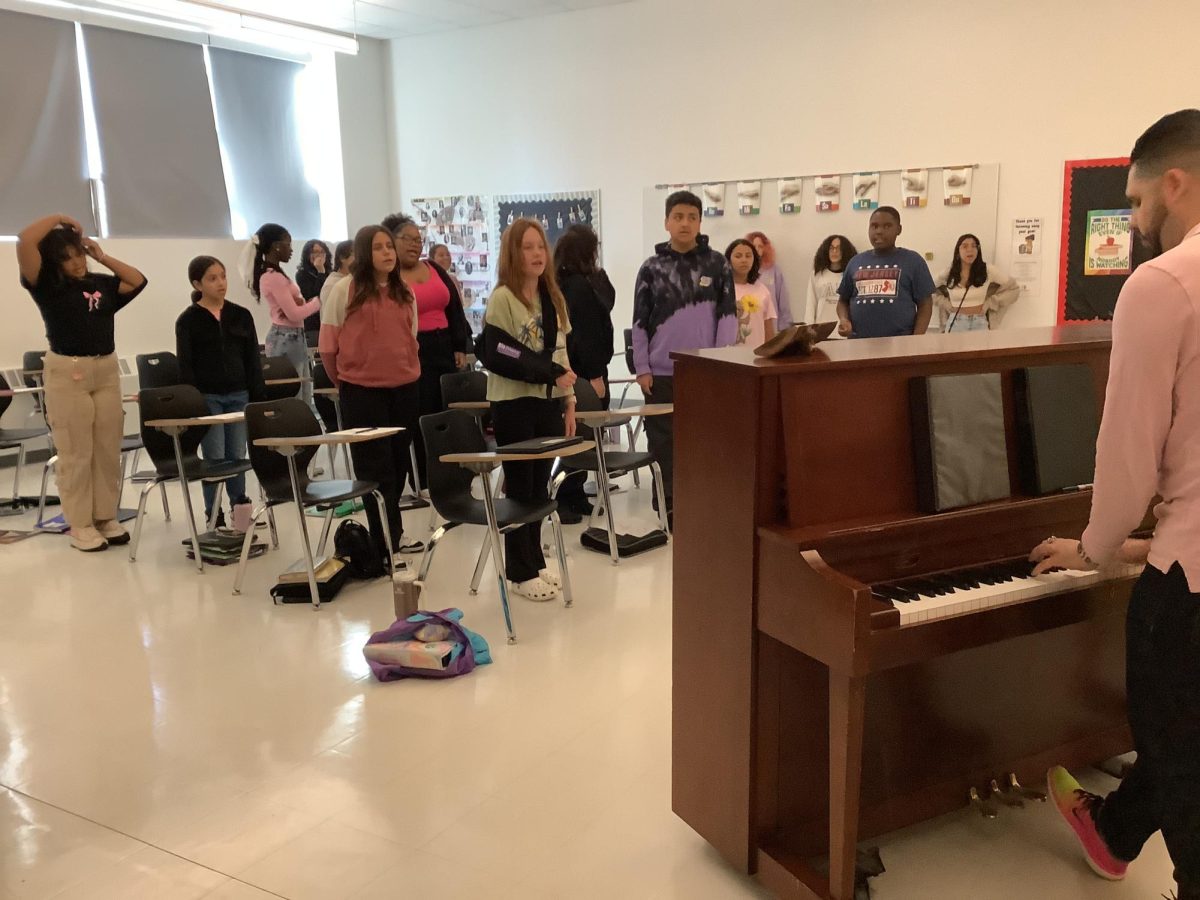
x=958, y=440
x=1057, y=426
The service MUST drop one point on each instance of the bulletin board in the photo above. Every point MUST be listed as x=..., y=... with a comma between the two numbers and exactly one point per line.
x=933, y=229
x=1093, y=189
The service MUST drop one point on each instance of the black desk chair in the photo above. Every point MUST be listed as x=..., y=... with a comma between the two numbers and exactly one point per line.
x=158, y=370
x=608, y=464
x=450, y=490
x=16, y=439
x=469, y=386
x=275, y=368
x=291, y=417
x=182, y=401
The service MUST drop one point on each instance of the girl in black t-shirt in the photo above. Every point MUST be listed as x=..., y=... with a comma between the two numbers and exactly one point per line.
x=83, y=381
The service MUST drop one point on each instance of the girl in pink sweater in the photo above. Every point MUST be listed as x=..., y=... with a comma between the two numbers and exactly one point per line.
x=272, y=248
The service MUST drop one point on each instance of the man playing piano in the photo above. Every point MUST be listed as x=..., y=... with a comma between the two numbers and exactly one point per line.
x=1147, y=447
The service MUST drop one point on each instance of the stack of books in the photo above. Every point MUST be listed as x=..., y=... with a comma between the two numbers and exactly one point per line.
x=223, y=547
x=323, y=567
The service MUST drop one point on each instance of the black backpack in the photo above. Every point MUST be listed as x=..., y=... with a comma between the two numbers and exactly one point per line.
x=352, y=542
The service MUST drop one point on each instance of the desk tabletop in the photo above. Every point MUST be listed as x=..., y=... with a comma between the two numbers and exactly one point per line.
x=219, y=419
x=466, y=459
x=626, y=412
x=348, y=436
x=18, y=391
x=324, y=392
x=469, y=404
x=301, y=379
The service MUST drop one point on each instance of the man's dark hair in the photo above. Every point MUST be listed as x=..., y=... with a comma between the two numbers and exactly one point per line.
x=890, y=210
x=1165, y=142
x=684, y=198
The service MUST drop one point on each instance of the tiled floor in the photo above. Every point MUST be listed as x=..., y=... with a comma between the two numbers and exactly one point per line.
x=163, y=739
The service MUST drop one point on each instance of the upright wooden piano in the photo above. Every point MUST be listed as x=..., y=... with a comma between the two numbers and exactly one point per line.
x=812, y=707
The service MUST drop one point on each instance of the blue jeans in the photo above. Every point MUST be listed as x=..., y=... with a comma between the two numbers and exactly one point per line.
x=225, y=443
x=959, y=324
x=291, y=344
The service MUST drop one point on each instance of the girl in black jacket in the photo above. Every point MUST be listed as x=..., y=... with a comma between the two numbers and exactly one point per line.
x=316, y=262
x=217, y=346
x=590, y=299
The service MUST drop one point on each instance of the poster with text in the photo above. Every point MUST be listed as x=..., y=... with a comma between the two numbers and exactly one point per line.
x=914, y=188
x=828, y=191
x=554, y=212
x=789, y=195
x=1109, y=242
x=749, y=197
x=866, y=190
x=1026, y=264
x=957, y=184
x=713, y=196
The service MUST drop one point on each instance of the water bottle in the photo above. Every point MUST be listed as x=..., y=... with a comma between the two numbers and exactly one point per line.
x=406, y=592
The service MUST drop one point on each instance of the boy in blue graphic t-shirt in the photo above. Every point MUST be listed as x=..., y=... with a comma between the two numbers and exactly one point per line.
x=885, y=291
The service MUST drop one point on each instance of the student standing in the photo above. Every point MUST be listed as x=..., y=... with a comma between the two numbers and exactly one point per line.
x=343, y=261
x=885, y=291
x=285, y=337
x=443, y=335
x=1147, y=449
x=772, y=277
x=311, y=274
x=440, y=254
x=683, y=299
x=529, y=386
x=369, y=350
x=83, y=380
x=828, y=264
x=217, y=346
x=755, y=308
x=973, y=296
x=590, y=297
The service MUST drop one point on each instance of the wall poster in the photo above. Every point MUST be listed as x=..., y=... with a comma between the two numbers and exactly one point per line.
x=957, y=184
x=828, y=189
x=789, y=195
x=713, y=195
x=866, y=190
x=914, y=188
x=749, y=197
x=1109, y=242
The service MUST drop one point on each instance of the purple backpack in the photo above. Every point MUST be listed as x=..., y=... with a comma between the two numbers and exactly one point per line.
x=470, y=649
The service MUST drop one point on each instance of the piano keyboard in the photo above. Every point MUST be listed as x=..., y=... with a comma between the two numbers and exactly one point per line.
x=971, y=590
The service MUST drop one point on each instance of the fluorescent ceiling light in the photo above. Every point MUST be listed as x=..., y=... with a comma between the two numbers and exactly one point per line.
x=113, y=14
x=190, y=13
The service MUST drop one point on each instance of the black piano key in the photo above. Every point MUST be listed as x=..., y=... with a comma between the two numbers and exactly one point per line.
x=891, y=592
x=947, y=581
x=964, y=579
x=926, y=587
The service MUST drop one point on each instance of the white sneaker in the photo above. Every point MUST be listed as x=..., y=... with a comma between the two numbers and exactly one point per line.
x=551, y=578
x=88, y=539
x=535, y=589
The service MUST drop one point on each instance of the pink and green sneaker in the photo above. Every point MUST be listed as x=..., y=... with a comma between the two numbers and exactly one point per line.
x=1078, y=808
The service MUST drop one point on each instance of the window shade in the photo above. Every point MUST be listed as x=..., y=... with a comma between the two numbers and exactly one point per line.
x=158, y=140
x=43, y=155
x=256, y=113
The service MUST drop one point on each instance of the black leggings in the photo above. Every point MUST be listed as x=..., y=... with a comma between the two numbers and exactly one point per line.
x=520, y=420
x=385, y=461
x=1162, y=674
x=437, y=359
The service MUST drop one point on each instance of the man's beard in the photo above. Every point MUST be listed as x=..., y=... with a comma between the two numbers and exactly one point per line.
x=1151, y=239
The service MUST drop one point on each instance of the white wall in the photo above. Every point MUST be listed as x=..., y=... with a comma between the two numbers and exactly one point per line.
x=149, y=323
x=655, y=91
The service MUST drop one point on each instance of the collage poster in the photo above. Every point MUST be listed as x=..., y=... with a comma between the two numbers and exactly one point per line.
x=749, y=197
x=555, y=215
x=828, y=189
x=914, y=187
x=789, y=195
x=957, y=183
x=1109, y=242
x=461, y=222
x=866, y=190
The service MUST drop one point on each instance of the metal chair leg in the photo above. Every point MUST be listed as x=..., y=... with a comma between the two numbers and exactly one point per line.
x=485, y=551
x=41, y=516
x=427, y=556
x=498, y=555
x=561, y=547
x=247, y=542
x=325, y=531
x=121, y=487
x=387, y=533
x=274, y=530
x=162, y=490
x=606, y=492
x=662, y=499
x=216, y=507
x=290, y=453
x=17, y=475
x=137, y=525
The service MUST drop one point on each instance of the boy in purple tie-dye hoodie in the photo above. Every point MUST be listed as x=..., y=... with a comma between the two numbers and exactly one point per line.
x=684, y=300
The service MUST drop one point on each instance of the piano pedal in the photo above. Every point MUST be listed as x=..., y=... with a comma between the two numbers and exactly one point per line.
x=985, y=808
x=1026, y=793
x=1004, y=797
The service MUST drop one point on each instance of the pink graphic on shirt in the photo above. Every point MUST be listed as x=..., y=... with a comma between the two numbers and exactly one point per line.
x=93, y=300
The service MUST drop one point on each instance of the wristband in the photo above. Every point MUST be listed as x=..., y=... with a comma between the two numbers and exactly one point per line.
x=1087, y=559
